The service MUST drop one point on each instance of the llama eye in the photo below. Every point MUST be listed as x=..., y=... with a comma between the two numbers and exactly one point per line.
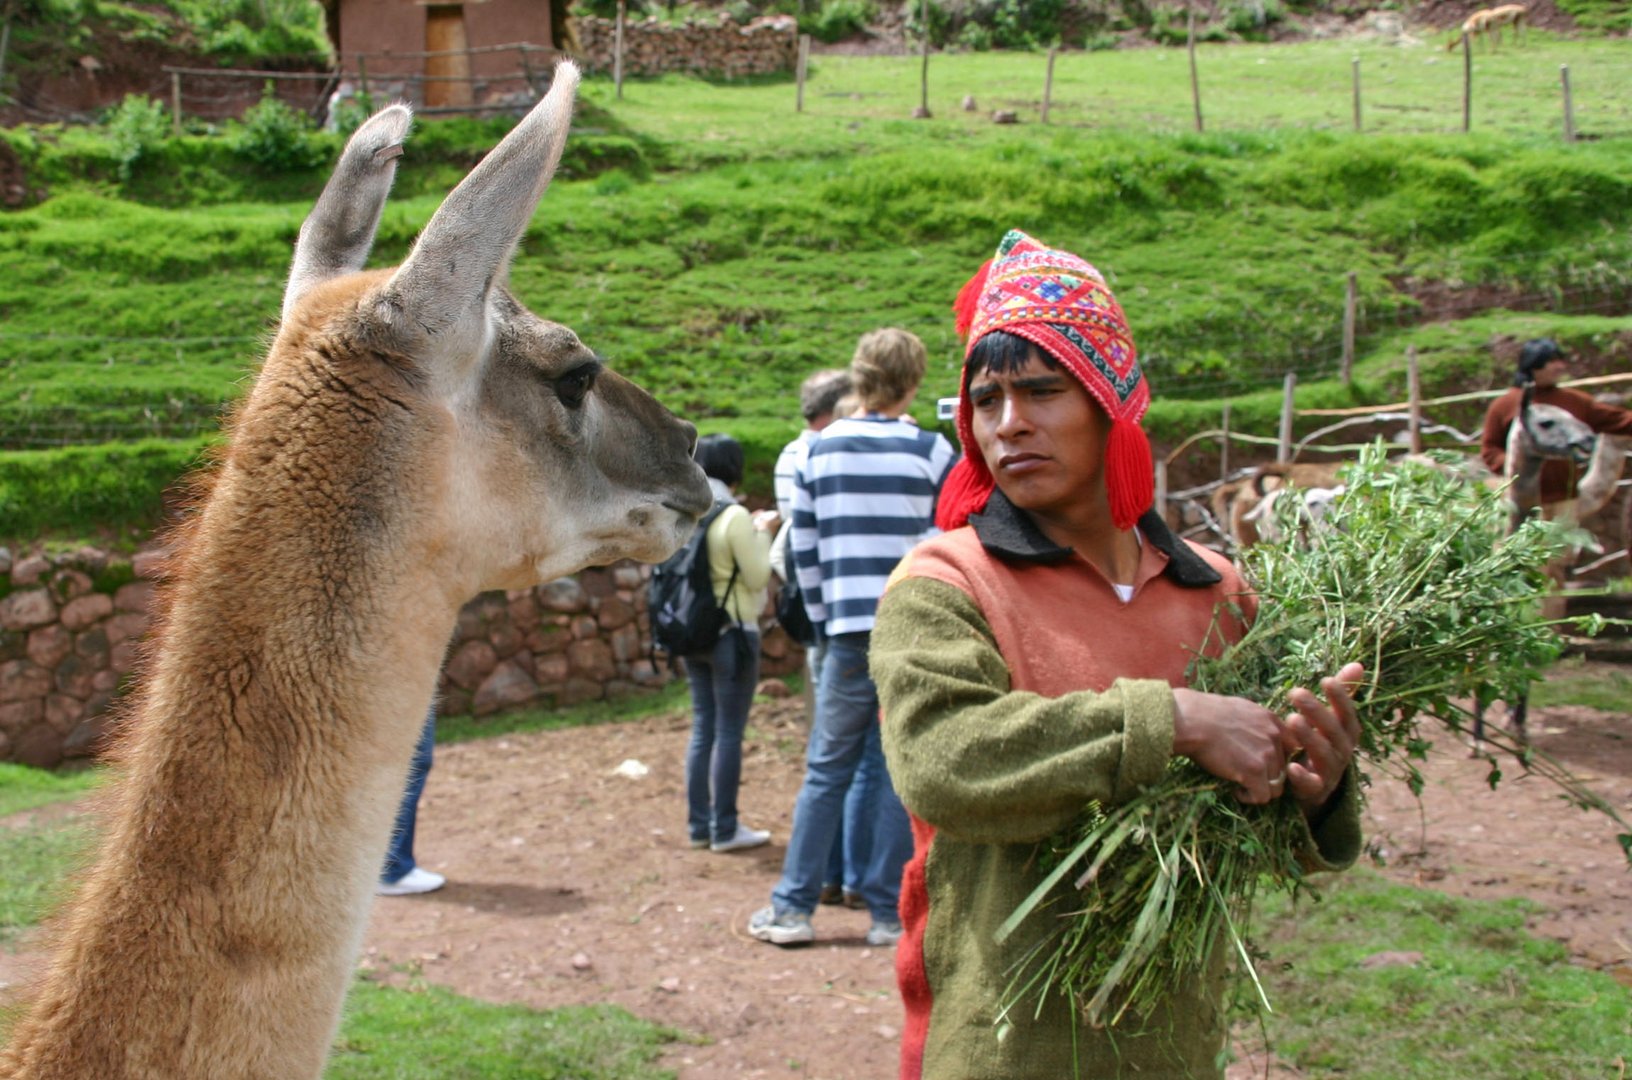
x=575, y=385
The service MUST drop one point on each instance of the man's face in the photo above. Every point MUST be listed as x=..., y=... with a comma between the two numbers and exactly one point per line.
x=1041, y=435
x=1552, y=372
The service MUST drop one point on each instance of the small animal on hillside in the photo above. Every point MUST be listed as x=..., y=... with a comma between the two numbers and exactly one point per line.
x=414, y=437
x=1489, y=22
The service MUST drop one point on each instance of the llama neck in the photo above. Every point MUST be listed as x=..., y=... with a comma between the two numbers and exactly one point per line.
x=217, y=932
x=1598, y=486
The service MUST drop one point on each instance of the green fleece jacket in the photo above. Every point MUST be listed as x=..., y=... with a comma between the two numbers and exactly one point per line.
x=1016, y=687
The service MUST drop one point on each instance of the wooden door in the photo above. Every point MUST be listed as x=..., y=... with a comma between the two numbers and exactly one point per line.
x=447, y=78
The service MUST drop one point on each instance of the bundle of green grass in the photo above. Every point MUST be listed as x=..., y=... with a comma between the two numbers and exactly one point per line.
x=1413, y=573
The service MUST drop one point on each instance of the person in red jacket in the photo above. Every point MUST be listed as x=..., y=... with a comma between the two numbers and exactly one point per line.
x=1542, y=365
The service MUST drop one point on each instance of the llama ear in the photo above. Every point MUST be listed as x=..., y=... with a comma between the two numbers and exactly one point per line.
x=337, y=234
x=467, y=246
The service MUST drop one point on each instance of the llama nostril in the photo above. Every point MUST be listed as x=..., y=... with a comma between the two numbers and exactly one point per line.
x=690, y=431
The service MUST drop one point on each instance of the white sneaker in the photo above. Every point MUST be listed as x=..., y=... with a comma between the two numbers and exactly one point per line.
x=786, y=928
x=745, y=838
x=884, y=933
x=417, y=880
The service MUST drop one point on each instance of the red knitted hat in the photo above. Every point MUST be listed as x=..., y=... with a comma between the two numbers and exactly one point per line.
x=1061, y=304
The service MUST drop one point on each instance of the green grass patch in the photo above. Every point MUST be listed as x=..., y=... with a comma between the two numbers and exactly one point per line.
x=24, y=788
x=1485, y=999
x=428, y=1033
x=38, y=861
x=719, y=247
x=1606, y=689
x=674, y=697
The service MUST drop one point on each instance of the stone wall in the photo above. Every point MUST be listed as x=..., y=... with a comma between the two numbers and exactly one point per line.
x=71, y=628
x=651, y=47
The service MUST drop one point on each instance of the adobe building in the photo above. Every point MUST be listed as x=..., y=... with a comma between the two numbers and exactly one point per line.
x=443, y=53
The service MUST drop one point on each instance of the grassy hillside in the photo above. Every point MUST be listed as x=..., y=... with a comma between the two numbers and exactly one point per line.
x=717, y=247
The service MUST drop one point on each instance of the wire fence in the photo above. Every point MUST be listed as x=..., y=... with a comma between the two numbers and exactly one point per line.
x=1474, y=88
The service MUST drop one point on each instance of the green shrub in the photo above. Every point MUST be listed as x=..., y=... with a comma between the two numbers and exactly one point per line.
x=837, y=20
x=136, y=126
x=279, y=137
x=989, y=24
x=975, y=37
x=608, y=9
x=1252, y=18
x=1605, y=16
x=351, y=111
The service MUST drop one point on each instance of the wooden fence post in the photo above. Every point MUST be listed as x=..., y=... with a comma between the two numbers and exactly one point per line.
x=1283, y=448
x=1356, y=64
x=175, y=104
x=800, y=67
x=1413, y=383
x=1048, y=82
x=1161, y=488
x=1195, y=82
x=1351, y=298
x=362, y=78
x=1569, y=104
x=1467, y=83
x=5, y=38
x=1224, y=445
x=617, y=52
x=922, y=111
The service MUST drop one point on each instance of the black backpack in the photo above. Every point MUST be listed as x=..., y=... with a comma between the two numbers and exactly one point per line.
x=790, y=602
x=686, y=619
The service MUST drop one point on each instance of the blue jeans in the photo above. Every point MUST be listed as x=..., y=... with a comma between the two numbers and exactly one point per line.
x=722, y=689
x=845, y=734
x=853, y=842
x=399, y=855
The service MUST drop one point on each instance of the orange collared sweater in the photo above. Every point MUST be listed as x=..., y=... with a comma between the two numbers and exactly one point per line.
x=1016, y=687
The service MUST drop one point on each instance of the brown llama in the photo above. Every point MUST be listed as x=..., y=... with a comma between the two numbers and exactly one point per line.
x=1489, y=22
x=415, y=436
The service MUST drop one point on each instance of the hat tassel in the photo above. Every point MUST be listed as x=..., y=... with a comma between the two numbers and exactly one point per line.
x=1130, y=476
x=963, y=492
x=968, y=301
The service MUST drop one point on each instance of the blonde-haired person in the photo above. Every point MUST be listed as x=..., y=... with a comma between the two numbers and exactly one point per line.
x=877, y=477
x=887, y=369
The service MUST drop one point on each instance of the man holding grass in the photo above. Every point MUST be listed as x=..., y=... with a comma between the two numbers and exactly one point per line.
x=1032, y=659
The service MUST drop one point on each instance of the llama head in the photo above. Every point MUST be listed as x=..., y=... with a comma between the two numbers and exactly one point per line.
x=513, y=452
x=1553, y=433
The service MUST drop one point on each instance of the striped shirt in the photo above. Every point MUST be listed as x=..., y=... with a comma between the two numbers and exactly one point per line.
x=865, y=495
x=787, y=471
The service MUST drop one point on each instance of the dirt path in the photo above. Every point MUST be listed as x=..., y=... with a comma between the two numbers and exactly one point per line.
x=573, y=884
x=570, y=883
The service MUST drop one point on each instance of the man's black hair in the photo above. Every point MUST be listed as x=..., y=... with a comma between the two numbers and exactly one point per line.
x=721, y=458
x=1001, y=352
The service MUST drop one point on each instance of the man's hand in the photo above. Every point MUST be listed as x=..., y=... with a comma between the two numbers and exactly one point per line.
x=1326, y=735
x=1243, y=742
x=1234, y=739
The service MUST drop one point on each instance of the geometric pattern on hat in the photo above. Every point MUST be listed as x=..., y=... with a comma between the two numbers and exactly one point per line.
x=1061, y=303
